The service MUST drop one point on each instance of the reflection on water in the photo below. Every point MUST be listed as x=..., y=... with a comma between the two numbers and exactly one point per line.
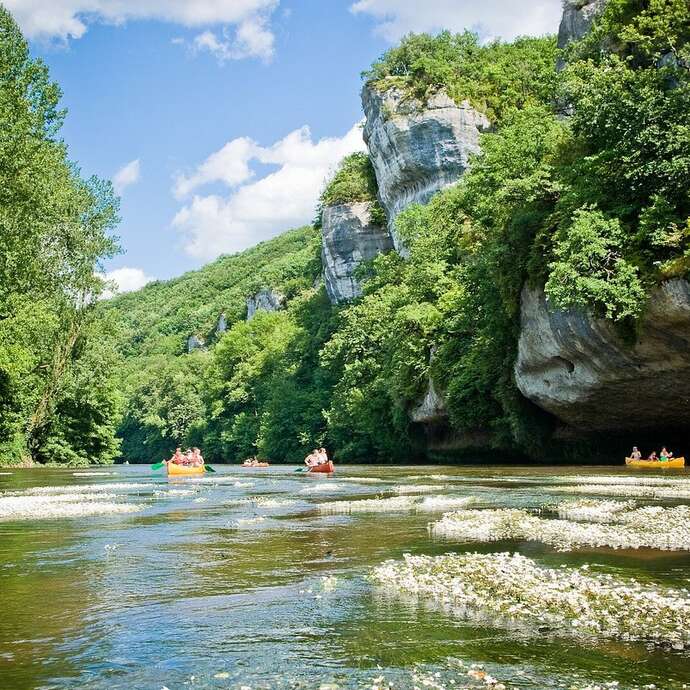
x=249, y=578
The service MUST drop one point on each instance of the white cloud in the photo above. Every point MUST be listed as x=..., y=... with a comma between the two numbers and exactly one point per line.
x=255, y=210
x=490, y=18
x=229, y=165
x=124, y=279
x=127, y=175
x=69, y=19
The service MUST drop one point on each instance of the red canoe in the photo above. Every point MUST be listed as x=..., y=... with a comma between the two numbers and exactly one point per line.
x=325, y=468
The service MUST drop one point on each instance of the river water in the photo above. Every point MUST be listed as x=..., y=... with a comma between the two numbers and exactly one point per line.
x=118, y=578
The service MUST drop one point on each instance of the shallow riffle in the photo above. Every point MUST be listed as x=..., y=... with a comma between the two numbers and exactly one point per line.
x=572, y=600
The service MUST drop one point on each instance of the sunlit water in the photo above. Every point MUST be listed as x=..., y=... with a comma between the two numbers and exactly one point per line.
x=119, y=578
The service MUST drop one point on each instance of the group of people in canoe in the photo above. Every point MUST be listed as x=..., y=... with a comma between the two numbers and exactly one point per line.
x=316, y=457
x=254, y=462
x=190, y=458
x=663, y=456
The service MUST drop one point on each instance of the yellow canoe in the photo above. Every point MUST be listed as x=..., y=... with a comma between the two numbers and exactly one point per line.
x=656, y=464
x=175, y=470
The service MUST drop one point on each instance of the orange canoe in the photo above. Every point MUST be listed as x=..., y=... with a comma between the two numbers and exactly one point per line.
x=324, y=468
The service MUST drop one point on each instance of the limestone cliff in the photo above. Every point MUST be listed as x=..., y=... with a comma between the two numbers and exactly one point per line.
x=578, y=16
x=349, y=237
x=431, y=409
x=579, y=368
x=264, y=300
x=417, y=148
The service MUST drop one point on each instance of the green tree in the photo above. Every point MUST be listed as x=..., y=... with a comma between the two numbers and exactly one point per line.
x=54, y=231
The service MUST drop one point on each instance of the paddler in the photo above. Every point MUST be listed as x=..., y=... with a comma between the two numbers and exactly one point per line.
x=197, y=459
x=178, y=457
x=636, y=455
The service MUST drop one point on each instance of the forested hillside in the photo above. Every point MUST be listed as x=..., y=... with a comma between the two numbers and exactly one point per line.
x=581, y=190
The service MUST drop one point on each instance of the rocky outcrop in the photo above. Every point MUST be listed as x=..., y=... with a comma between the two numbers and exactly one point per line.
x=194, y=342
x=582, y=371
x=264, y=300
x=431, y=409
x=417, y=148
x=349, y=237
x=221, y=325
x=578, y=16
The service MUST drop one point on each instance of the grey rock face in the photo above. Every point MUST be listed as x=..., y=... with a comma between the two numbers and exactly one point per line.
x=417, y=149
x=432, y=408
x=348, y=238
x=578, y=16
x=579, y=369
x=222, y=325
x=264, y=300
x=194, y=342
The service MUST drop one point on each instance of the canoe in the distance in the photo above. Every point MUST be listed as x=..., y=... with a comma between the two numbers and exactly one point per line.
x=656, y=464
x=324, y=468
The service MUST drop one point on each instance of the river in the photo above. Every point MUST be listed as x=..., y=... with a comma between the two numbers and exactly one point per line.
x=252, y=578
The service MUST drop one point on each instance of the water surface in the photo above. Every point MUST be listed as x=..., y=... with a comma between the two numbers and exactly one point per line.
x=239, y=580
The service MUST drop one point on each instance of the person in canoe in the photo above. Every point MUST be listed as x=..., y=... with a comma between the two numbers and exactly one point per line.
x=636, y=455
x=665, y=455
x=194, y=458
x=316, y=457
x=653, y=456
x=178, y=457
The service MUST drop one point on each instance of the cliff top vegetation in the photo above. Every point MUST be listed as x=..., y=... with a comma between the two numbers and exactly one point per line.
x=494, y=78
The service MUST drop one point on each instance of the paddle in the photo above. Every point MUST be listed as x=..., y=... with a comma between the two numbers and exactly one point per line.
x=301, y=469
x=209, y=468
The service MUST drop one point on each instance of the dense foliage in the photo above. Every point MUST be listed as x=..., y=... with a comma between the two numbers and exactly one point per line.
x=353, y=181
x=494, y=78
x=57, y=401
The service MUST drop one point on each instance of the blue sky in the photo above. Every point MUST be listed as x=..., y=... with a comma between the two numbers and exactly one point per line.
x=219, y=120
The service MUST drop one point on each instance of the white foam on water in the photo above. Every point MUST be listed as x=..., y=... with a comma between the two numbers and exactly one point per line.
x=437, y=504
x=29, y=507
x=624, y=480
x=325, y=487
x=94, y=474
x=362, y=480
x=592, y=510
x=511, y=586
x=397, y=504
x=105, y=486
x=415, y=488
x=653, y=527
x=634, y=490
